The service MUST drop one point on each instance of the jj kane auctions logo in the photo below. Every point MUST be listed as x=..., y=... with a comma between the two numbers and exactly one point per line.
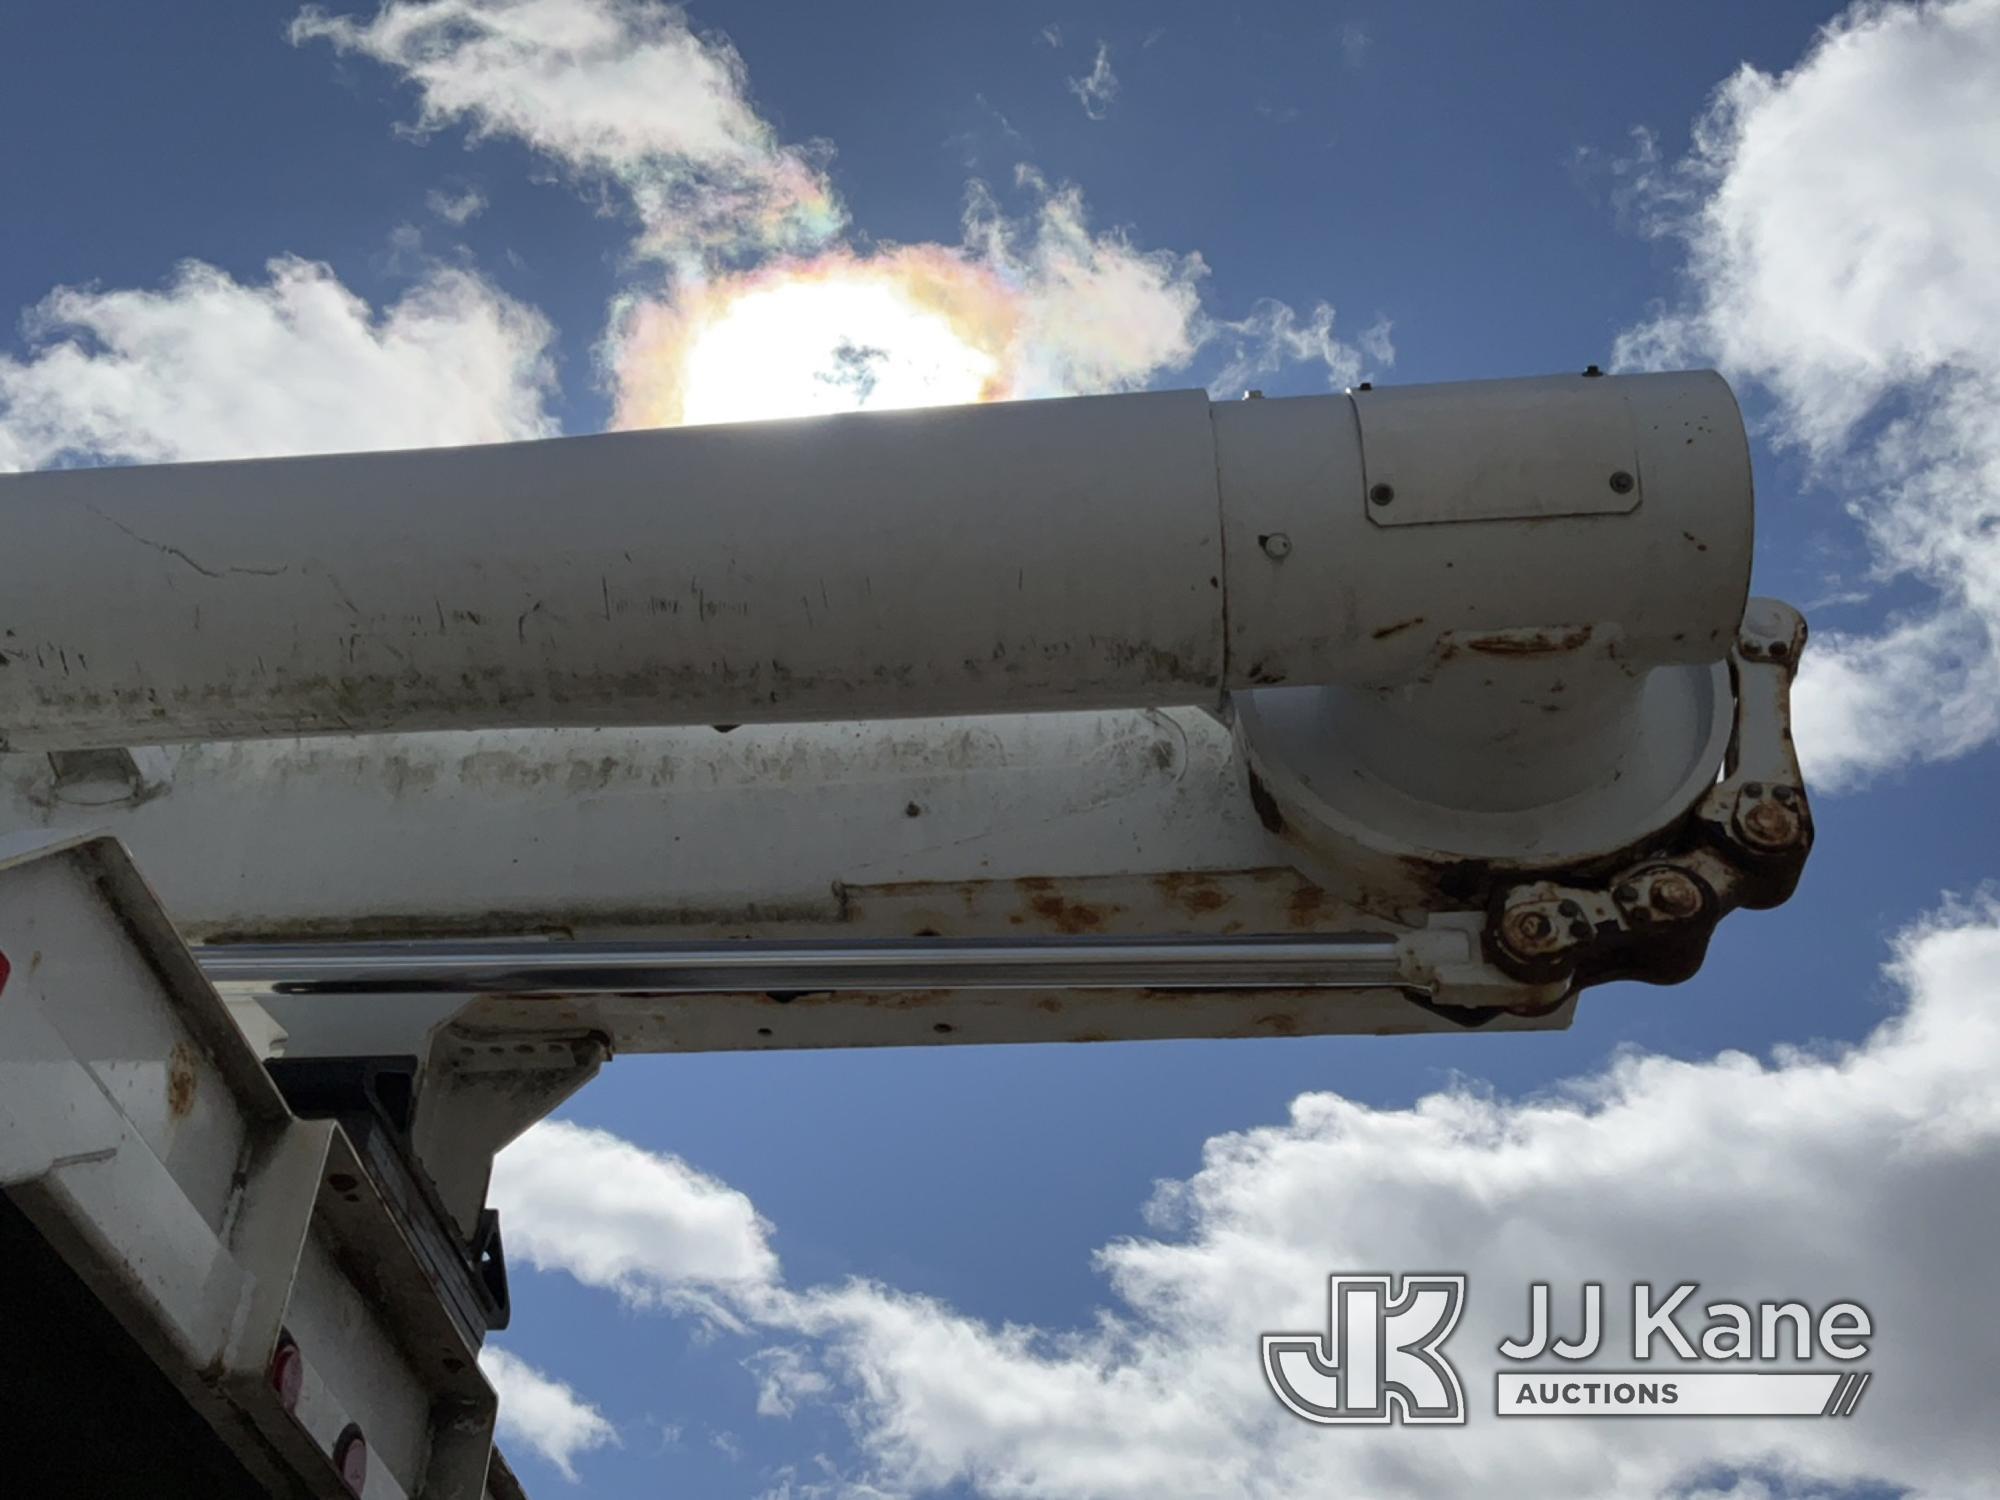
x=1381, y=1358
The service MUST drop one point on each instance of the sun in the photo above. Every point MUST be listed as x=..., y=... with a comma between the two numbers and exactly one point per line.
x=811, y=347
x=907, y=328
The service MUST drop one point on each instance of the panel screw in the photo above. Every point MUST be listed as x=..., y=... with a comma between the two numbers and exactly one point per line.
x=1277, y=546
x=1382, y=494
x=1621, y=482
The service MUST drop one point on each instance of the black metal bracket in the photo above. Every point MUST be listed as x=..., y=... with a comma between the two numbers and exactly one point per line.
x=374, y=1101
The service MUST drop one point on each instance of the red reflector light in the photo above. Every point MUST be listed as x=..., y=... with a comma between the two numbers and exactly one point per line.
x=350, y=1457
x=288, y=1374
x=5, y=969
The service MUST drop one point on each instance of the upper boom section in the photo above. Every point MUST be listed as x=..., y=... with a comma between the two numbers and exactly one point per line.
x=1101, y=552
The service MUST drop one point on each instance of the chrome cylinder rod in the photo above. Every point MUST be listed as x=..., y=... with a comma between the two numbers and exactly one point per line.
x=1337, y=961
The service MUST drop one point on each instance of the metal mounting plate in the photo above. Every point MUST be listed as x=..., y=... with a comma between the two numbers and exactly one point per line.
x=1517, y=450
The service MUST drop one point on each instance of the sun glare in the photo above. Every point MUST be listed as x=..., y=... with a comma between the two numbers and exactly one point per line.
x=813, y=346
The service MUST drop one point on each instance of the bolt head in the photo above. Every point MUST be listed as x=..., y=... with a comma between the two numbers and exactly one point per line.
x=1277, y=546
x=1674, y=895
x=1622, y=483
x=1382, y=494
x=1531, y=933
x=1769, y=825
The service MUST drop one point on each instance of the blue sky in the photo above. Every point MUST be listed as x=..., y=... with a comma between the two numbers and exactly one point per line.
x=1429, y=174
x=1489, y=190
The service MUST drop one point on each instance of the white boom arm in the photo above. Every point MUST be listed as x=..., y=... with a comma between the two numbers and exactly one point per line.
x=1122, y=717
x=1449, y=645
x=1118, y=551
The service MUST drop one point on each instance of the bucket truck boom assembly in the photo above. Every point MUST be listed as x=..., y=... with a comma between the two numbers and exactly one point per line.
x=457, y=772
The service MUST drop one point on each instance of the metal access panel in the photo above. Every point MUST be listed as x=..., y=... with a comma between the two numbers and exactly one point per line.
x=1517, y=450
x=254, y=1309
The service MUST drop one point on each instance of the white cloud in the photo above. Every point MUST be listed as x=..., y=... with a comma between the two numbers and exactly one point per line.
x=456, y=208
x=1861, y=1173
x=786, y=1377
x=1097, y=90
x=209, y=367
x=612, y=89
x=1354, y=43
x=1097, y=313
x=1826, y=1174
x=1273, y=337
x=789, y=1484
x=650, y=1228
x=542, y=1412
x=1842, y=223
